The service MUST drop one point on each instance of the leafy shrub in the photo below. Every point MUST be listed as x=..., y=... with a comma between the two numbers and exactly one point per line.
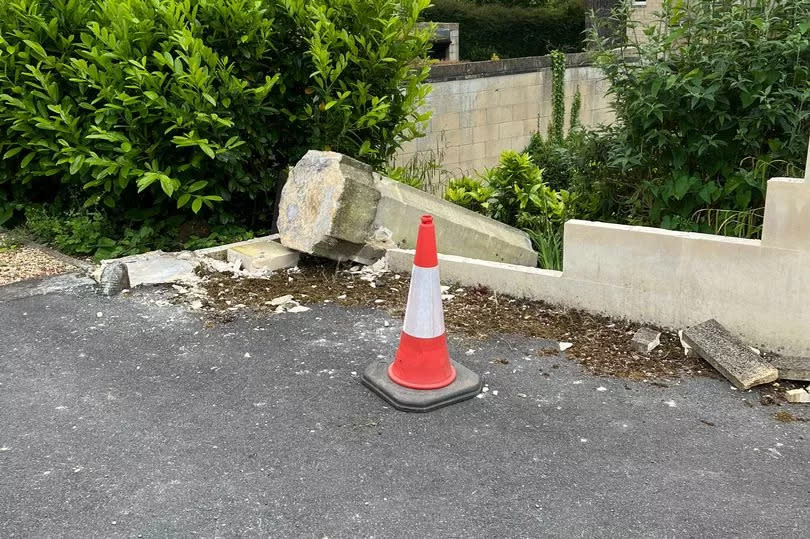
x=514, y=193
x=471, y=194
x=150, y=108
x=93, y=233
x=520, y=197
x=716, y=104
x=512, y=32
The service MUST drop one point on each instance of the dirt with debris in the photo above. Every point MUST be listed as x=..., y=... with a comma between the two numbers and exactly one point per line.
x=600, y=344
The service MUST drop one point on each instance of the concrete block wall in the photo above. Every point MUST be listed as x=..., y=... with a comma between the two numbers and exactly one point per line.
x=759, y=290
x=643, y=12
x=480, y=109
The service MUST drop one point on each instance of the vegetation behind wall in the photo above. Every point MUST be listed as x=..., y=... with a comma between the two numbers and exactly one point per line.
x=508, y=31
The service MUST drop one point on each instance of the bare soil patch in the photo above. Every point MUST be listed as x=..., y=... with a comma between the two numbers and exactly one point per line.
x=600, y=344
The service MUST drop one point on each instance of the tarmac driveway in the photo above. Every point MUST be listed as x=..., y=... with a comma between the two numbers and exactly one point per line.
x=131, y=417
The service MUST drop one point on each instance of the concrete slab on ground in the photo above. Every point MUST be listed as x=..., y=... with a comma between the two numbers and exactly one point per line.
x=263, y=256
x=726, y=353
x=148, y=421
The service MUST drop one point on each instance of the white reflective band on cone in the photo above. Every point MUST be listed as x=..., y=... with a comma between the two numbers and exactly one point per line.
x=424, y=318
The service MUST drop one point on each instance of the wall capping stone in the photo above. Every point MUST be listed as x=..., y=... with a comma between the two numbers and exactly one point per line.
x=509, y=66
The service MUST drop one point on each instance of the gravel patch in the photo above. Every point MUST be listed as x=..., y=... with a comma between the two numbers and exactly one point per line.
x=19, y=263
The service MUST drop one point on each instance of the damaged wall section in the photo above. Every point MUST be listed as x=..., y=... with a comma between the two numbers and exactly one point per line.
x=760, y=290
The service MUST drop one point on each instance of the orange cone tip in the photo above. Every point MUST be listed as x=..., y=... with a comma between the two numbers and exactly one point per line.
x=423, y=360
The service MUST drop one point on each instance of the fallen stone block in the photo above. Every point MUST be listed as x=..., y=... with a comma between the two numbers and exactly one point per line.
x=728, y=355
x=792, y=368
x=156, y=267
x=646, y=340
x=797, y=396
x=114, y=278
x=262, y=256
x=339, y=208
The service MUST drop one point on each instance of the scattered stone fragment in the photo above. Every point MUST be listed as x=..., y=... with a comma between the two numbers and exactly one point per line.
x=687, y=349
x=298, y=309
x=565, y=346
x=646, y=340
x=281, y=300
x=728, y=355
x=114, y=279
x=792, y=368
x=797, y=395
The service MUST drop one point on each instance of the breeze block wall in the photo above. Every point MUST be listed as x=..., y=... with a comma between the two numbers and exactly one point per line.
x=483, y=108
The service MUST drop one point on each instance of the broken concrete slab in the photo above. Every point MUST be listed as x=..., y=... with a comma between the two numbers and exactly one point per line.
x=262, y=256
x=156, y=267
x=165, y=268
x=114, y=278
x=339, y=208
x=797, y=396
x=792, y=368
x=220, y=252
x=728, y=355
x=645, y=340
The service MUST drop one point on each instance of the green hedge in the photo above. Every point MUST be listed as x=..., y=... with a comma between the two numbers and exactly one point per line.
x=148, y=109
x=512, y=32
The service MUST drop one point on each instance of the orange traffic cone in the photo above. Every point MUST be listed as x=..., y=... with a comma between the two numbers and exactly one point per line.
x=422, y=376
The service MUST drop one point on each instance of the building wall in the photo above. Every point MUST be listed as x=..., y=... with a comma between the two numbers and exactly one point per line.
x=480, y=109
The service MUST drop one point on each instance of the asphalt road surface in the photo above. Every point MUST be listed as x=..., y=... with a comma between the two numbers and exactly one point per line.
x=130, y=417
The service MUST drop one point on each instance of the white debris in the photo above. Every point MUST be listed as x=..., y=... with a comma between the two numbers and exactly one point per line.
x=247, y=355
x=99, y=314
x=670, y=403
x=757, y=351
x=298, y=309
x=522, y=395
x=447, y=297
x=565, y=346
x=687, y=350
x=469, y=352
x=583, y=440
x=601, y=388
x=445, y=289
x=281, y=300
x=495, y=392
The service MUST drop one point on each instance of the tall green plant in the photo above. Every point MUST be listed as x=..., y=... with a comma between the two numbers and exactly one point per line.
x=716, y=102
x=556, y=127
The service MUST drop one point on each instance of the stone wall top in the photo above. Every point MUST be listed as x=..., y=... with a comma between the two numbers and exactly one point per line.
x=495, y=68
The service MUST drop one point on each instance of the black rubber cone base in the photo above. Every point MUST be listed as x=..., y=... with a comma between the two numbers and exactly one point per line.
x=466, y=386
